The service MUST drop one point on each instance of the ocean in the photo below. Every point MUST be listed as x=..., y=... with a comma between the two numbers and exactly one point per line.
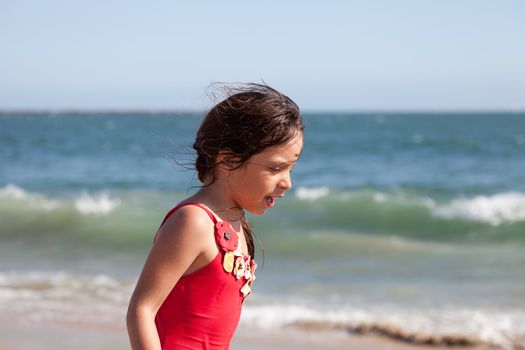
x=410, y=225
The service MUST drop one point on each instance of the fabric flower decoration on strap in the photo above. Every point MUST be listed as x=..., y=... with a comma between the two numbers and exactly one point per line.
x=225, y=236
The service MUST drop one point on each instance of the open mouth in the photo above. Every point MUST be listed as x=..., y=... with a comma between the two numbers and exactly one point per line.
x=270, y=201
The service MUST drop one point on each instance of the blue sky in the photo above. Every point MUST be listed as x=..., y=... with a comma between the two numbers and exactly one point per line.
x=332, y=55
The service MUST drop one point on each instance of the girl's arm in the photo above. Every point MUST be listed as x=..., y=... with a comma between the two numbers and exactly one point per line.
x=182, y=239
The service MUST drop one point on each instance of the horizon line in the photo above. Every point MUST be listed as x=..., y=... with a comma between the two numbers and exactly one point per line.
x=182, y=111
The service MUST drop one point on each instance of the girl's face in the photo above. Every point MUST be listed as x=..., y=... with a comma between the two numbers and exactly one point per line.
x=265, y=176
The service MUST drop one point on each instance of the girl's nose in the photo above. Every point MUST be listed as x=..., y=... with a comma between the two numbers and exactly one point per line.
x=286, y=182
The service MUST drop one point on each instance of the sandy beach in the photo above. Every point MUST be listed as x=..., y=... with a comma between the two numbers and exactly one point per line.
x=33, y=336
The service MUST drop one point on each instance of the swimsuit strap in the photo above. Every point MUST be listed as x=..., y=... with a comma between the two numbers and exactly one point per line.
x=208, y=211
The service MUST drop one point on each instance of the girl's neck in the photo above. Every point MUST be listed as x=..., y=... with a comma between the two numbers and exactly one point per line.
x=220, y=203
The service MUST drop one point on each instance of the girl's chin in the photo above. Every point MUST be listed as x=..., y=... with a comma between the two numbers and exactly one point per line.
x=257, y=211
x=262, y=208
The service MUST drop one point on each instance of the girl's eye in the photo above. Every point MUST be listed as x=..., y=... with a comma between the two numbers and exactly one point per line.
x=275, y=169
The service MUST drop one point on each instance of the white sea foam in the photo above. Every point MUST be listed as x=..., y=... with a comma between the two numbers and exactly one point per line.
x=278, y=315
x=60, y=296
x=495, y=210
x=379, y=197
x=312, y=193
x=85, y=203
x=501, y=328
x=100, y=204
x=12, y=191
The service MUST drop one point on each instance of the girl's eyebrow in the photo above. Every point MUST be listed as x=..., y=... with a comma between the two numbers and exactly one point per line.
x=277, y=162
x=286, y=163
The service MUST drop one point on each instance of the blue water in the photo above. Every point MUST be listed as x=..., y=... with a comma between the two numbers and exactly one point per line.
x=445, y=154
x=421, y=215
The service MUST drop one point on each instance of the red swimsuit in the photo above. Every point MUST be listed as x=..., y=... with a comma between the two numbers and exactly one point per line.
x=203, y=309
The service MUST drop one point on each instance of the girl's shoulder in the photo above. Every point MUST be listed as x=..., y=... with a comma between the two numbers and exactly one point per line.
x=186, y=221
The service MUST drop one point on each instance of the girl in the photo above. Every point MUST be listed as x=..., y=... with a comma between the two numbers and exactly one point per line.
x=200, y=267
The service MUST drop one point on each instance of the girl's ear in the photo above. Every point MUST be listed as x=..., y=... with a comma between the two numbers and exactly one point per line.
x=227, y=161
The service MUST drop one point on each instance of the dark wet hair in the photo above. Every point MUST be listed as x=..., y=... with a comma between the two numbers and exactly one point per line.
x=251, y=119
